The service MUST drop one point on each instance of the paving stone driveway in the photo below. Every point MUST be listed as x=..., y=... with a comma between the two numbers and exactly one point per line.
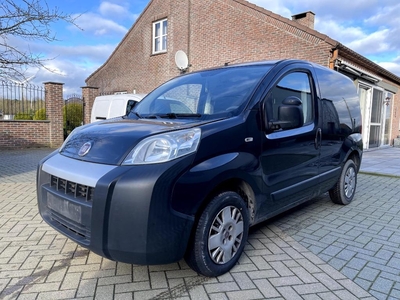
x=318, y=251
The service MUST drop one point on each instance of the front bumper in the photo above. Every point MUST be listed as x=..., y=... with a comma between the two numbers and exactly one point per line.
x=120, y=212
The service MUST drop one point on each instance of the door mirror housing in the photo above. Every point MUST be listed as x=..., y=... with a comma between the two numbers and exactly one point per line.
x=290, y=115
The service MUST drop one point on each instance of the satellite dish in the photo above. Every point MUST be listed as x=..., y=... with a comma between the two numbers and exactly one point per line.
x=181, y=60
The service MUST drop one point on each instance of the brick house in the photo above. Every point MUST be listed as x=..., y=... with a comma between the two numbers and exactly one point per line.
x=215, y=32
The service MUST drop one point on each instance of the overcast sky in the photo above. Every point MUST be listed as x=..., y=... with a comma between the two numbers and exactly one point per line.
x=369, y=27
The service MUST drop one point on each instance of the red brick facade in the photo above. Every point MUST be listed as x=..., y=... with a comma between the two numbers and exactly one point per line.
x=88, y=95
x=395, y=126
x=215, y=32
x=219, y=31
x=54, y=104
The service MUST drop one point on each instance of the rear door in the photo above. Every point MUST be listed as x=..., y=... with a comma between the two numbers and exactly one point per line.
x=340, y=112
x=100, y=109
x=117, y=108
x=290, y=158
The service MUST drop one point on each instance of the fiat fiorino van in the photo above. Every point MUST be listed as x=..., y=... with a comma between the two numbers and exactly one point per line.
x=201, y=159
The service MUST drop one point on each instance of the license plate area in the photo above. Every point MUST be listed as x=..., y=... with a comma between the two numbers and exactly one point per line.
x=67, y=214
x=66, y=208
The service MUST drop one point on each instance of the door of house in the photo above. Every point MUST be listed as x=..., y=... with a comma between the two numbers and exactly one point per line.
x=375, y=132
x=364, y=92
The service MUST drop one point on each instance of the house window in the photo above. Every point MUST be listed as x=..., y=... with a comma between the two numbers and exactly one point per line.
x=160, y=36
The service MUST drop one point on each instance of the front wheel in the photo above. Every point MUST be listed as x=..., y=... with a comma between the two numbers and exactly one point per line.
x=220, y=235
x=344, y=190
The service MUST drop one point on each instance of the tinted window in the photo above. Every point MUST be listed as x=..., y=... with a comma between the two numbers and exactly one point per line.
x=341, y=105
x=295, y=84
x=211, y=94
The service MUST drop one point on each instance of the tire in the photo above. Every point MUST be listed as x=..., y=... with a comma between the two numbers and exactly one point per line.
x=344, y=190
x=220, y=235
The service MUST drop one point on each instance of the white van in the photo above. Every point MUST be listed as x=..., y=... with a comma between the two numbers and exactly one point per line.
x=111, y=106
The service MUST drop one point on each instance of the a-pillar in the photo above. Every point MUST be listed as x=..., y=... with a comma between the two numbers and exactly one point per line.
x=54, y=105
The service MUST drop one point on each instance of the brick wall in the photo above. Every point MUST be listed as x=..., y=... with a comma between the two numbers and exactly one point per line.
x=27, y=134
x=236, y=31
x=54, y=104
x=395, y=116
x=24, y=134
x=132, y=66
x=219, y=31
x=88, y=95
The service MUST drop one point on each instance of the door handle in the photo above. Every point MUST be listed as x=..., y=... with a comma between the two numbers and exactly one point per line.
x=318, y=139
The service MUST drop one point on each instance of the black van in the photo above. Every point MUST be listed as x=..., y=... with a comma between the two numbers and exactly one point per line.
x=200, y=159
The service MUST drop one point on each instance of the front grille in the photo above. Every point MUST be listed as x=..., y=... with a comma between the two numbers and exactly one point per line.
x=78, y=231
x=79, y=191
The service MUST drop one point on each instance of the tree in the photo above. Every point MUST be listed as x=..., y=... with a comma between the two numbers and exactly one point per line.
x=28, y=20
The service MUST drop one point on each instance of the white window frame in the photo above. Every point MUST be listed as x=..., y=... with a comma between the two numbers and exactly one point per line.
x=160, y=37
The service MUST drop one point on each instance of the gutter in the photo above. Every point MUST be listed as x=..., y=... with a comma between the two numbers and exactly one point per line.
x=346, y=52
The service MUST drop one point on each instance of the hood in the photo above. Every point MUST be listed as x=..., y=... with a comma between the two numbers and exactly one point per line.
x=109, y=142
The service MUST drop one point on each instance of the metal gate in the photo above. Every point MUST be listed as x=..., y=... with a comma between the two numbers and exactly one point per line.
x=72, y=113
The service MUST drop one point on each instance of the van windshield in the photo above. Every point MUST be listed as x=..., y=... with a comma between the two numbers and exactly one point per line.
x=206, y=95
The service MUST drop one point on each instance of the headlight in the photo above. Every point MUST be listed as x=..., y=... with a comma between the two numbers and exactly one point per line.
x=164, y=147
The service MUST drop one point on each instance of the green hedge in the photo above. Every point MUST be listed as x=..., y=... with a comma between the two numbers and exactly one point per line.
x=72, y=117
x=23, y=116
x=40, y=114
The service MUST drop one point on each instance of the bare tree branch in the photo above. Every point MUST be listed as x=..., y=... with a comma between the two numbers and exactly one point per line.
x=28, y=20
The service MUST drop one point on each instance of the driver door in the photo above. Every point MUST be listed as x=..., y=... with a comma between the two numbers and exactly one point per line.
x=290, y=157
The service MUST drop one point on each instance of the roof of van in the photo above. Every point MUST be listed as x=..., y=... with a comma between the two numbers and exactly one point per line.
x=136, y=97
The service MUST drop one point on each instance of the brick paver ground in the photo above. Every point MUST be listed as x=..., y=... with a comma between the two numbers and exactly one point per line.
x=319, y=251
x=361, y=240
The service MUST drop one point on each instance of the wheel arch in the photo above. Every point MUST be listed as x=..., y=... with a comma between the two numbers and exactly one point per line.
x=355, y=156
x=237, y=185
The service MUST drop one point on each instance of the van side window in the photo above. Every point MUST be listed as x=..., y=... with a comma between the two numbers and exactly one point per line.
x=296, y=84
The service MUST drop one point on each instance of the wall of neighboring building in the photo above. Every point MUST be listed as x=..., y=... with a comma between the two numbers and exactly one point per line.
x=219, y=31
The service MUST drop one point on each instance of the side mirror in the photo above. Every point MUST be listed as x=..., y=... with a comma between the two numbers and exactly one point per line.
x=290, y=114
x=131, y=104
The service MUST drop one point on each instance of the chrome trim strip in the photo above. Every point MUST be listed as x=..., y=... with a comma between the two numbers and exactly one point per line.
x=81, y=172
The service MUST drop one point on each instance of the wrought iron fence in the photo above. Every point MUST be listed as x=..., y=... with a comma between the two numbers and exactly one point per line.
x=19, y=101
x=72, y=113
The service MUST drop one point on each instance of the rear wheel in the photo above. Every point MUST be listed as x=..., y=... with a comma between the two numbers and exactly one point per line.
x=220, y=235
x=344, y=190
